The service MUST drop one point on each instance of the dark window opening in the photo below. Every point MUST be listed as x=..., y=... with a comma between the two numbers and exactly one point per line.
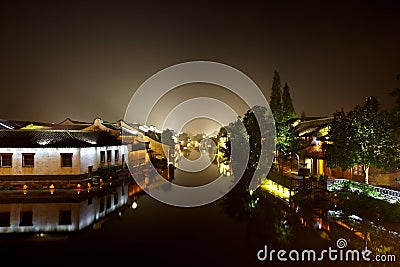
x=101, y=205
x=102, y=156
x=116, y=155
x=5, y=219
x=90, y=171
x=108, y=202
x=115, y=198
x=65, y=217
x=25, y=218
x=108, y=155
x=5, y=160
x=66, y=159
x=28, y=160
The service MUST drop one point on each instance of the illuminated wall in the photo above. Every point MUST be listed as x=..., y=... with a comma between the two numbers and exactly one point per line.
x=47, y=161
x=158, y=147
x=90, y=156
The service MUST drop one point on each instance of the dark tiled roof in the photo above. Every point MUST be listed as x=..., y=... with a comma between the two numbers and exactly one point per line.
x=69, y=121
x=100, y=138
x=311, y=126
x=68, y=127
x=55, y=138
x=10, y=125
x=112, y=126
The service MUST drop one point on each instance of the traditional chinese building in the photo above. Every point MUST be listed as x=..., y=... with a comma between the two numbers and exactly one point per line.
x=67, y=151
x=311, y=159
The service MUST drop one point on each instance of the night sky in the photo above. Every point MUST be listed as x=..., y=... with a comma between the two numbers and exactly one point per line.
x=85, y=59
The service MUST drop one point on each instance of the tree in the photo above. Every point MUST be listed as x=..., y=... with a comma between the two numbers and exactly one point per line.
x=395, y=114
x=167, y=137
x=282, y=108
x=183, y=136
x=276, y=97
x=341, y=150
x=288, y=111
x=363, y=136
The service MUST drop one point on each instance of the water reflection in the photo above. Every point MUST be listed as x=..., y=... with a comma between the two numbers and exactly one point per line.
x=49, y=210
x=228, y=232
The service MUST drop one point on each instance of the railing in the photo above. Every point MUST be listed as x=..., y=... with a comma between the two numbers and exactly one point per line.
x=297, y=183
x=387, y=194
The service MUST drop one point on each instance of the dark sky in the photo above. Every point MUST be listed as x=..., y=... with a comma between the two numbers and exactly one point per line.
x=85, y=59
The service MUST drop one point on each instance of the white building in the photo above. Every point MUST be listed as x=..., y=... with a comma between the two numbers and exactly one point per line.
x=69, y=150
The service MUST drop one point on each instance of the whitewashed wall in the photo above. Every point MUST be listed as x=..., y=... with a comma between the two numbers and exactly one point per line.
x=47, y=161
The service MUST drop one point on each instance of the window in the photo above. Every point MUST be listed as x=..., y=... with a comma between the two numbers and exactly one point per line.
x=65, y=217
x=358, y=169
x=90, y=171
x=116, y=155
x=5, y=160
x=5, y=219
x=66, y=159
x=25, y=218
x=101, y=205
x=102, y=156
x=28, y=160
x=108, y=155
x=115, y=198
x=108, y=202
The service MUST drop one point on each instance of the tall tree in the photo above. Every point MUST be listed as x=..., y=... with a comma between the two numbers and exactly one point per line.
x=395, y=114
x=363, y=136
x=282, y=108
x=288, y=111
x=276, y=97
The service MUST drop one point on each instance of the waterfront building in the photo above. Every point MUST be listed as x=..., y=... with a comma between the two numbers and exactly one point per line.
x=60, y=177
x=68, y=151
x=310, y=159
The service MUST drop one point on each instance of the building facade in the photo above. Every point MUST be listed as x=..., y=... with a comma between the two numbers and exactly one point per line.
x=62, y=151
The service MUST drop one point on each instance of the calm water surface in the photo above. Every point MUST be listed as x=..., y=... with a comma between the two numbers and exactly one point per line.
x=156, y=234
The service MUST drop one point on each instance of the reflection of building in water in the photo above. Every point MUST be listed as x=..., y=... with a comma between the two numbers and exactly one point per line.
x=60, y=177
x=60, y=210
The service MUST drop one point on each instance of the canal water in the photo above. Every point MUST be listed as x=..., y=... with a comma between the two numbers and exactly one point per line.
x=156, y=234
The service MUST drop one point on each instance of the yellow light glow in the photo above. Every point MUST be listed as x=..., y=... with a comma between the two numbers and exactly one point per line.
x=51, y=187
x=276, y=189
